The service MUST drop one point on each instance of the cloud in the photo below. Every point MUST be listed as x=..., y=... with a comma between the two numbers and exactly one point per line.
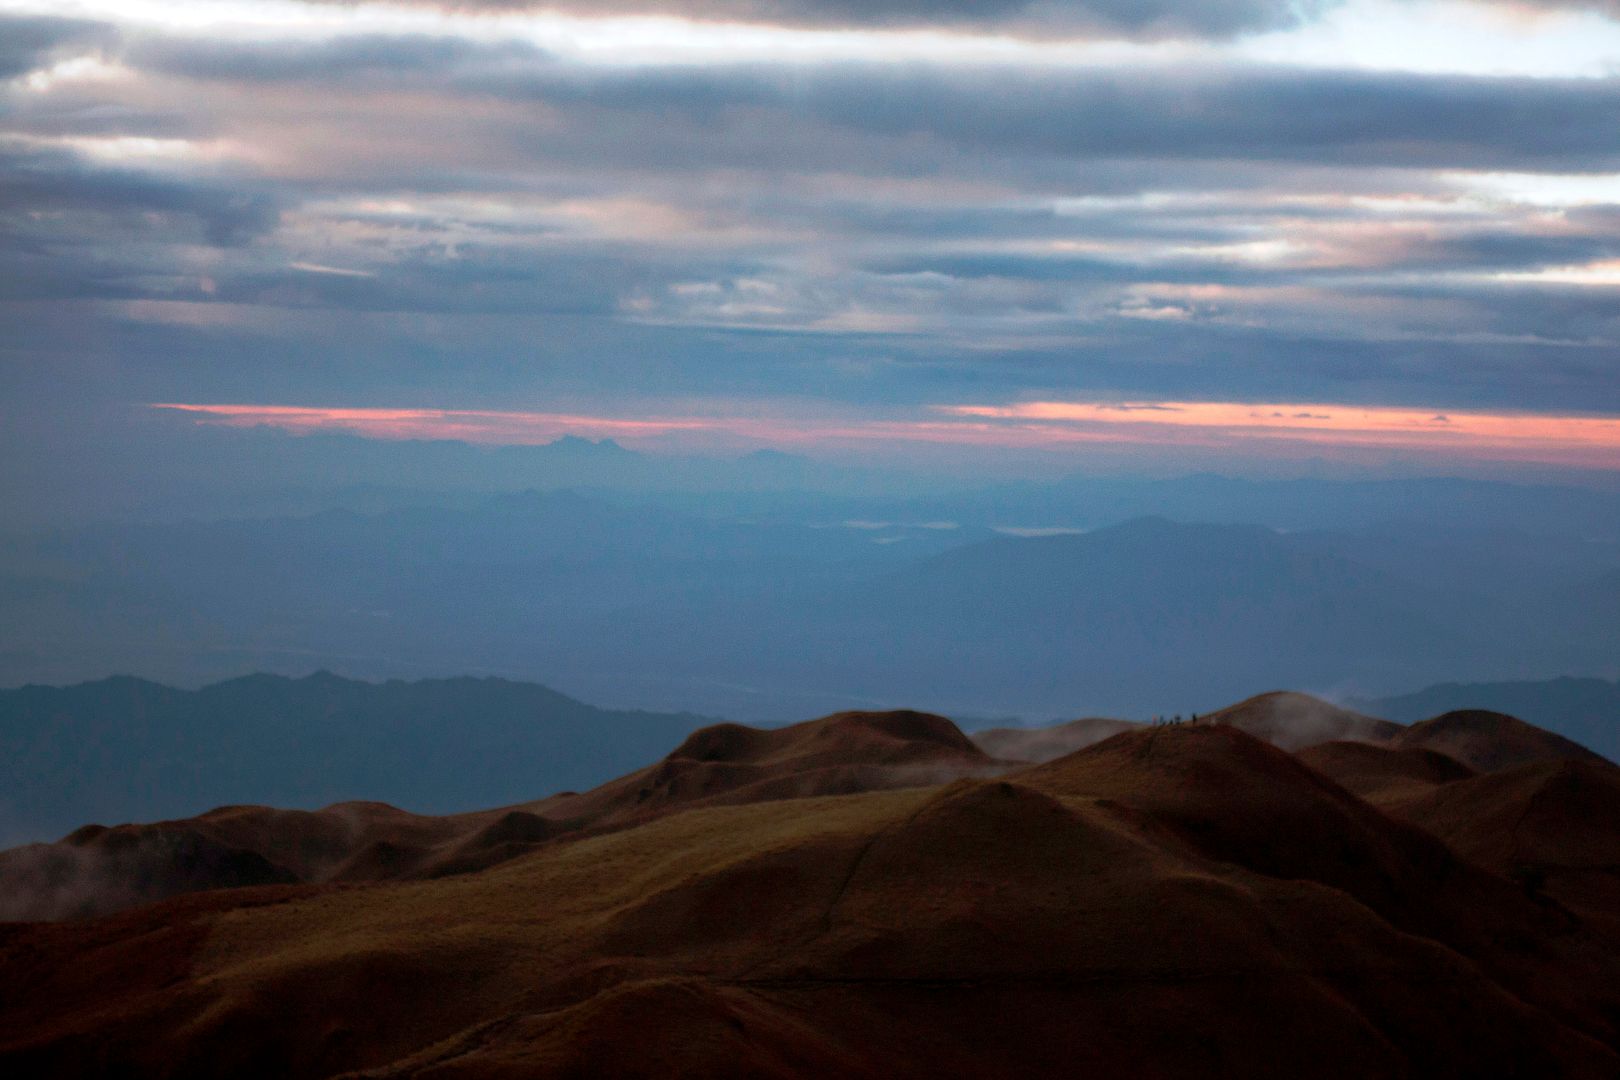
x=1573, y=440
x=350, y=60
x=1143, y=18
x=55, y=181
x=1610, y=8
x=30, y=43
x=469, y=217
x=781, y=114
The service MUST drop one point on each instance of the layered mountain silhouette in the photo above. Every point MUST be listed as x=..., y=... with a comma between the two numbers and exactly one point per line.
x=892, y=605
x=1197, y=610
x=126, y=749
x=874, y=894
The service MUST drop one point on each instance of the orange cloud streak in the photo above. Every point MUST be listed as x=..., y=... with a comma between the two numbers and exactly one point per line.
x=1568, y=439
x=1530, y=437
x=469, y=425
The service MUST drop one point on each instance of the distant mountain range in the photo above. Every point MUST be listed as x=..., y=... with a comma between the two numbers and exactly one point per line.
x=773, y=619
x=1153, y=616
x=1206, y=610
x=124, y=749
x=1294, y=504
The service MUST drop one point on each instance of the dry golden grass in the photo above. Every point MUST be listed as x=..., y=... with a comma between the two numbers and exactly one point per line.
x=1170, y=902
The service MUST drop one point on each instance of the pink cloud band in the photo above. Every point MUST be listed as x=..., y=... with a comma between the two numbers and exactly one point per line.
x=1587, y=441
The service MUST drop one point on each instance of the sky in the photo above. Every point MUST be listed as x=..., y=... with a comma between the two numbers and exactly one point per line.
x=1376, y=231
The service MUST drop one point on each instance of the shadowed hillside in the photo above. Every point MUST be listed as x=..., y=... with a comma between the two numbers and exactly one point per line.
x=1378, y=773
x=1487, y=741
x=1292, y=721
x=1039, y=744
x=1166, y=901
x=1584, y=710
x=97, y=869
x=1552, y=826
x=1283, y=718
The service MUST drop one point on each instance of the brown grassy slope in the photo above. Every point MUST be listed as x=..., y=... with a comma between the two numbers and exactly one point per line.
x=1284, y=718
x=1553, y=826
x=1380, y=773
x=1177, y=902
x=839, y=754
x=1488, y=741
x=99, y=870
x=1049, y=743
x=1233, y=798
x=1292, y=720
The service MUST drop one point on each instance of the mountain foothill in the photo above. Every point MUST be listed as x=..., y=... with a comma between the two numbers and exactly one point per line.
x=1281, y=887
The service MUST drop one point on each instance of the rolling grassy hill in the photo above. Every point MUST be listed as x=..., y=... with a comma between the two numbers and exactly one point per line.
x=826, y=900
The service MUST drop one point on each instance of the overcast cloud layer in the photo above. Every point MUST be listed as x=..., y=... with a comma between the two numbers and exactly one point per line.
x=492, y=206
x=1159, y=18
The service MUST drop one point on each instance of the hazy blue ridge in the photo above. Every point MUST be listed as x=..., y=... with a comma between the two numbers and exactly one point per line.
x=124, y=749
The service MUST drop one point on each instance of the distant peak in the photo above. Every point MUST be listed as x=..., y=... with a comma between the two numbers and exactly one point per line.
x=530, y=499
x=1149, y=523
x=598, y=447
x=770, y=456
x=323, y=677
x=113, y=682
x=1158, y=527
x=252, y=678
